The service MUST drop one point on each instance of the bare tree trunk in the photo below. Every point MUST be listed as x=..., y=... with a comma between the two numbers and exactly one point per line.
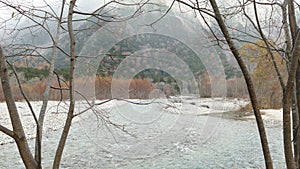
x=295, y=97
x=292, y=70
x=19, y=134
x=296, y=130
x=287, y=36
x=70, y=115
x=39, y=132
x=295, y=121
x=286, y=105
x=292, y=18
x=250, y=86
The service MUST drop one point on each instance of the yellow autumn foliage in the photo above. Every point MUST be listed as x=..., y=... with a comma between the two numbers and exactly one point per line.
x=260, y=64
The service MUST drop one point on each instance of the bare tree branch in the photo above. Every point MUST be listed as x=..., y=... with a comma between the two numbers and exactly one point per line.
x=8, y=132
x=268, y=46
x=64, y=135
x=23, y=94
x=39, y=132
x=252, y=94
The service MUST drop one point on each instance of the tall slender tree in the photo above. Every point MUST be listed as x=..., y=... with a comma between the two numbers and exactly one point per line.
x=289, y=53
x=29, y=19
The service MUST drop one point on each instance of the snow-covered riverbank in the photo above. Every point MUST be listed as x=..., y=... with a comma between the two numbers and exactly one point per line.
x=165, y=134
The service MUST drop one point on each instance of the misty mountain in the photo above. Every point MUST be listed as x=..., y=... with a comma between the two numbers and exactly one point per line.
x=85, y=30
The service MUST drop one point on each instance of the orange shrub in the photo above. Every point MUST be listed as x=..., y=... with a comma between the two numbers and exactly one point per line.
x=135, y=88
x=103, y=87
x=38, y=90
x=138, y=88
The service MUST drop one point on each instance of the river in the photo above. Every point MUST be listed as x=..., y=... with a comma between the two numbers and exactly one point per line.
x=153, y=138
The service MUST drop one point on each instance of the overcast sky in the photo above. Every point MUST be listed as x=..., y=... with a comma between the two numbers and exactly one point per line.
x=83, y=5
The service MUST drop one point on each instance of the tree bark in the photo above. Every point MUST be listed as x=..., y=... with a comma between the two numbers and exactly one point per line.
x=287, y=36
x=250, y=86
x=286, y=104
x=70, y=115
x=297, y=129
x=295, y=123
x=18, y=130
x=292, y=18
x=39, y=132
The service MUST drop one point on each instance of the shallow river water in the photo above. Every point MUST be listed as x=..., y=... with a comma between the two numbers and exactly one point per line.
x=155, y=138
